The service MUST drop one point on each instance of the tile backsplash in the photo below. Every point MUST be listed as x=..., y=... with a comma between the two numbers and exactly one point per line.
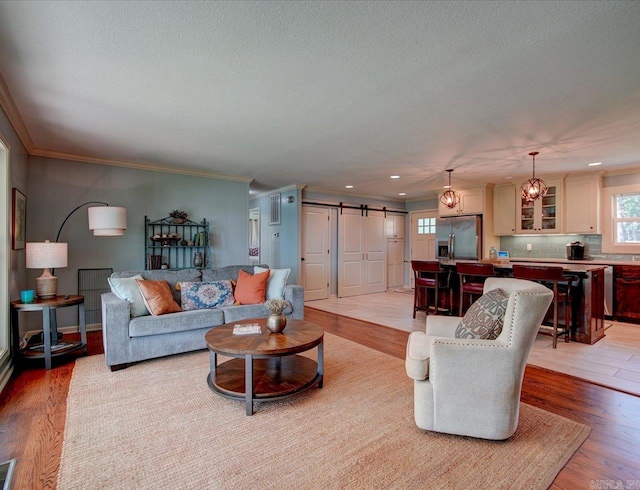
x=555, y=247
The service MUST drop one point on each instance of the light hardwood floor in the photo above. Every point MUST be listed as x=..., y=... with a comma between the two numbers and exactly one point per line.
x=613, y=361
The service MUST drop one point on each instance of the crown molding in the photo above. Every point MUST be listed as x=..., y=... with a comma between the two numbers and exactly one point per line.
x=260, y=195
x=353, y=195
x=137, y=165
x=10, y=109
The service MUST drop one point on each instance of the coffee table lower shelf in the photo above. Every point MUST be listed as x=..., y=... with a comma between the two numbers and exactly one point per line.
x=273, y=378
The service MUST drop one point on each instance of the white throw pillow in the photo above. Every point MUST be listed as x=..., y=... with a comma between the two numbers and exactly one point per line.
x=126, y=288
x=276, y=282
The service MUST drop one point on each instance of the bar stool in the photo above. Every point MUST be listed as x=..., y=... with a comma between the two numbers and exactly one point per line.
x=561, y=284
x=472, y=277
x=428, y=274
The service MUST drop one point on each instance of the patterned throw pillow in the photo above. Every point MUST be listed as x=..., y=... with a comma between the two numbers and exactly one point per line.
x=203, y=295
x=484, y=318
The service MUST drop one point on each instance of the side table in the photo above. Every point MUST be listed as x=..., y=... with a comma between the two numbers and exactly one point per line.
x=48, y=307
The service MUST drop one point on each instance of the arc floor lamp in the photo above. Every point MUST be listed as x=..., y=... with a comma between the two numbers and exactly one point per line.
x=103, y=221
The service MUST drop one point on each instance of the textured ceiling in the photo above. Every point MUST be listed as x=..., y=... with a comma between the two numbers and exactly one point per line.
x=331, y=93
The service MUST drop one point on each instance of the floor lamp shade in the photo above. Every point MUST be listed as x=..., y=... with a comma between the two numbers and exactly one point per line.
x=46, y=255
x=107, y=220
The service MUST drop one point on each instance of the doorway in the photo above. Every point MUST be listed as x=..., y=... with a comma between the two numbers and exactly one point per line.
x=254, y=236
x=316, y=252
x=423, y=236
x=5, y=265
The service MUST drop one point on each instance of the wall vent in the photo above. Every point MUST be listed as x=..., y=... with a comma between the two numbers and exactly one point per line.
x=274, y=207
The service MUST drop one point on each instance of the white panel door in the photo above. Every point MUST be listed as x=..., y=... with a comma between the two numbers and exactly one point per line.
x=350, y=253
x=316, y=264
x=423, y=236
x=375, y=253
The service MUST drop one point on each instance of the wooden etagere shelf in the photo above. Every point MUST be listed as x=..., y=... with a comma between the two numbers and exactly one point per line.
x=173, y=244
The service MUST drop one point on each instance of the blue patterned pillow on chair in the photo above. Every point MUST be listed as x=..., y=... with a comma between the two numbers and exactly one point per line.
x=484, y=318
x=203, y=295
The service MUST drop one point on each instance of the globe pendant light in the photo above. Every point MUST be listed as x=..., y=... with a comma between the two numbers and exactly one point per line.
x=533, y=189
x=450, y=198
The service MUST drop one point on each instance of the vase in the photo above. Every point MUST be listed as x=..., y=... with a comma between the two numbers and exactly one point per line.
x=197, y=259
x=276, y=323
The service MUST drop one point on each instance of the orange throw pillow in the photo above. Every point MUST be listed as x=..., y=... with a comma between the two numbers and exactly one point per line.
x=157, y=297
x=251, y=289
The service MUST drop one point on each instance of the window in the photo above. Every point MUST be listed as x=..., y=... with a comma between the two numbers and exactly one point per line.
x=426, y=226
x=627, y=218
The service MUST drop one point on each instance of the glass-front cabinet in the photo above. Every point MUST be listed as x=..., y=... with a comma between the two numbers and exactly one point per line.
x=543, y=215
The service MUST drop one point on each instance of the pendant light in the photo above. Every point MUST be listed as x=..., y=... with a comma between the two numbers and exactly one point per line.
x=533, y=189
x=450, y=198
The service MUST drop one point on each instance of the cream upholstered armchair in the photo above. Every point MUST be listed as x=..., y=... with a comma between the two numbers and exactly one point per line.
x=468, y=386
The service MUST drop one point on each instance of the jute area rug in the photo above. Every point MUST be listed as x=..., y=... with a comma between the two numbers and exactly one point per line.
x=158, y=425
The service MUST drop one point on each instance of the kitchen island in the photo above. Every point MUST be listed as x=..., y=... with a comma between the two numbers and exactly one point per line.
x=588, y=299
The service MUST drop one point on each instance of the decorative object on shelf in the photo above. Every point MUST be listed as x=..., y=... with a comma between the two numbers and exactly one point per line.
x=276, y=321
x=178, y=217
x=46, y=255
x=450, y=198
x=198, y=261
x=533, y=189
x=172, y=241
x=27, y=296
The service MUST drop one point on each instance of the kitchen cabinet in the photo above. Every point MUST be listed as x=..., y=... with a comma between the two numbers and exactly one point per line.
x=395, y=263
x=394, y=226
x=504, y=210
x=627, y=289
x=471, y=202
x=544, y=215
x=582, y=203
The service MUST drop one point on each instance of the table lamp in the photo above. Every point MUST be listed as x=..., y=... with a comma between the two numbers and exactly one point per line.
x=46, y=255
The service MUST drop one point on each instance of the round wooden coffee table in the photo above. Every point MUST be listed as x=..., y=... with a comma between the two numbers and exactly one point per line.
x=265, y=366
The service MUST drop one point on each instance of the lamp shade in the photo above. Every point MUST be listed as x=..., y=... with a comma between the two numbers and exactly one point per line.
x=107, y=221
x=46, y=255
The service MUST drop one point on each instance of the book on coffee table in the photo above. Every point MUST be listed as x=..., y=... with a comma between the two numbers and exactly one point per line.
x=247, y=329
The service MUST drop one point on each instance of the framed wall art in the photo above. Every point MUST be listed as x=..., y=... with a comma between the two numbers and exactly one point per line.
x=19, y=220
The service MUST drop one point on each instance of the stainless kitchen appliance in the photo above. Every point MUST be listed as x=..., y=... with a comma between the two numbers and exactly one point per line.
x=459, y=237
x=575, y=251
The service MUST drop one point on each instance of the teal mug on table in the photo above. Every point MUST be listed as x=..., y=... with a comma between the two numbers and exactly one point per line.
x=27, y=296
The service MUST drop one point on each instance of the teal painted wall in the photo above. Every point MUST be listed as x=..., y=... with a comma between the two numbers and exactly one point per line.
x=57, y=186
x=16, y=177
x=280, y=244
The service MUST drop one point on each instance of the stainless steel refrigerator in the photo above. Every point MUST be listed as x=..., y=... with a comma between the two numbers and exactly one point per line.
x=459, y=237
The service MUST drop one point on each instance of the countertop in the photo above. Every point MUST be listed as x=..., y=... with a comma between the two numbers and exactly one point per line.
x=582, y=266
x=592, y=261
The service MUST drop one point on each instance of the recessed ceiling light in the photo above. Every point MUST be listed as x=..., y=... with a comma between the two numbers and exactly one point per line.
x=395, y=177
x=349, y=186
x=402, y=194
x=509, y=177
x=594, y=164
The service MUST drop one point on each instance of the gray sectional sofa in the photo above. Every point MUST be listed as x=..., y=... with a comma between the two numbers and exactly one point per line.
x=127, y=340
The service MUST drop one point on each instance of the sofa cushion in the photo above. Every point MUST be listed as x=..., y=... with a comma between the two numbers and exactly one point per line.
x=201, y=295
x=172, y=277
x=226, y=272
x=251, y=289
x=183, y=321
x=484, y=318
x=126, y=288
x=276, y=282
x=241, y=313
x=157, y=297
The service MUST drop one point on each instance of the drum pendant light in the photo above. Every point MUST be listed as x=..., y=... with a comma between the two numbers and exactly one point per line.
x=533, y=189
x=450, y=198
